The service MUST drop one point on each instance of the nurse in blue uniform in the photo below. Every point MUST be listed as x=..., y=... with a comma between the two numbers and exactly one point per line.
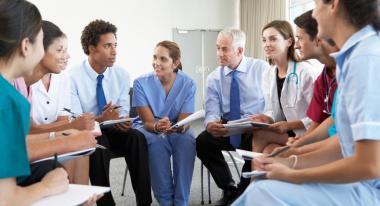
x=163, y=97
x=344, y=172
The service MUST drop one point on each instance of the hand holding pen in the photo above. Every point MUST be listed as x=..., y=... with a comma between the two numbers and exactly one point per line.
x=73, y=114
x=163, y=125
x=109, y=112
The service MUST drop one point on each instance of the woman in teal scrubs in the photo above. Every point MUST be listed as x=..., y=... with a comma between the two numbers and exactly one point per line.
x=21, y=49
x=163, y=97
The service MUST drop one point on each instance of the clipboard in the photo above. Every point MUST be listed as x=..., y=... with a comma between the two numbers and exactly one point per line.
x=75, y=195
x=111, y=123
x=239, y=126
x=70, y=155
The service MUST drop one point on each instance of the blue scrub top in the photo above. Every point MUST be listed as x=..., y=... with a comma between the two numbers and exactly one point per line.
x=14, y=126
x=357, y=103
x=149, y=91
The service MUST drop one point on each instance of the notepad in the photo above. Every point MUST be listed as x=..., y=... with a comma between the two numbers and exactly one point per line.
x=191, y=118
x=70, y=155
x=110, y=123
x=241, y=125
x=75, y=195
x=255, y=173
x=248, y=155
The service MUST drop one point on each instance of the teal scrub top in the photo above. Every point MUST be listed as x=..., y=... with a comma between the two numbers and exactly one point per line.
x=14, y=126
x=332, y=129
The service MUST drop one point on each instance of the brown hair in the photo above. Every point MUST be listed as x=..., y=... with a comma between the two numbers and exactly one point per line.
x=19, y=19
x=361, y=12
x=306, y=22
x=286, y=31
x=174, y=52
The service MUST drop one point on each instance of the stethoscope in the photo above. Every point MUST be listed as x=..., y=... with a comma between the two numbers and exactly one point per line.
x=293, y=74
x=327, y=90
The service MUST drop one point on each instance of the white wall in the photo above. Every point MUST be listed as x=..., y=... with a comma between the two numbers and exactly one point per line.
x=141, y=23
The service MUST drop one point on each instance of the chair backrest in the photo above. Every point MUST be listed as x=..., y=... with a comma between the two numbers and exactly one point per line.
x=132, y=111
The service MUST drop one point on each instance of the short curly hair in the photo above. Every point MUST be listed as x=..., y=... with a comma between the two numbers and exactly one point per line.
x=93, y=31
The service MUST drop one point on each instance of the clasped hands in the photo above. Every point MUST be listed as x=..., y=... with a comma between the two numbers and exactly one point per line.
x=164, y=125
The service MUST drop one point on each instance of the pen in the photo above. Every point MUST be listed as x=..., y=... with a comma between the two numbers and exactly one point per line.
x=73, y=114
x=279, y=151
x=55, y=163
x=115, y=107
x=100, y=146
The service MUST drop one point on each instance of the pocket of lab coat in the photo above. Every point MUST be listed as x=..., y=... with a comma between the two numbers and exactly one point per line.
x=290, y=97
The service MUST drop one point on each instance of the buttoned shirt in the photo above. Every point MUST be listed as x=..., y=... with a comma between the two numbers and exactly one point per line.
x=357, y=111
x=323, y=95
x=48, y=105
x=116, y=85
x=218, y=89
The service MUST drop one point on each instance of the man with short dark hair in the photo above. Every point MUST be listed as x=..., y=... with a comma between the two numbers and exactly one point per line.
x=312, y=47
x=100, y=87
x=319, y=111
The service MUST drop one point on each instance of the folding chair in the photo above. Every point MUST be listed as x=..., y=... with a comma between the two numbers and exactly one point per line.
x=208, y=178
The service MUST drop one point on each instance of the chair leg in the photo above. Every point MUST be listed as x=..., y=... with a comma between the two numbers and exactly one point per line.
x=233, y=160
x=209, y=187
x=124, y=180
x=202, y=200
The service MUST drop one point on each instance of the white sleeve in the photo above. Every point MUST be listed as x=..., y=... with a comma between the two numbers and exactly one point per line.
x=265, y=88
x=64, y=95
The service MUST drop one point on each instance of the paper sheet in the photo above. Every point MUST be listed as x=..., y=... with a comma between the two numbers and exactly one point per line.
x=70, y=155
x=241, y=125
x=191, y=118
x=110, y=123
x=248, y=155
x=75, y=195
x=254, y=173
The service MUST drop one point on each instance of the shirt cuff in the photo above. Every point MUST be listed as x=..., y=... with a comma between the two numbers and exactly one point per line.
x=306, y=122
x=211, y=118
x=366, y=130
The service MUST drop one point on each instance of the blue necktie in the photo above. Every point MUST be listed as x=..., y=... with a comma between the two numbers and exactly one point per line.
x=235, y=140
x=101, y=99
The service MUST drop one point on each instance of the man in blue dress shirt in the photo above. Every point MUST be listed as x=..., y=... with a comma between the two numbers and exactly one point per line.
x=100, y=87
x=233, y=92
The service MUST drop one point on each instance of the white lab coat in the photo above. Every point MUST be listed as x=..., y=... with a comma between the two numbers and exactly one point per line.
x=295, y=97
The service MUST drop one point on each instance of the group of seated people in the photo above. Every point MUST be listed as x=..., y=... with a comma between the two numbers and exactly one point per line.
x=329, y=132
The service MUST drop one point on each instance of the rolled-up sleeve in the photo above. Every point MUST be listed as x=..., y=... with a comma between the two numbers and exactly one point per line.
x=362, y=100
x=213, y=101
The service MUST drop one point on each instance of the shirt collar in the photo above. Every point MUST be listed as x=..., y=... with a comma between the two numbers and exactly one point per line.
x=241, y=68
x=92, y=73
x=357, y=37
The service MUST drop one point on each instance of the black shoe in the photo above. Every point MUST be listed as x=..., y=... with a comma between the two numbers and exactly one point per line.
x=228, y=197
